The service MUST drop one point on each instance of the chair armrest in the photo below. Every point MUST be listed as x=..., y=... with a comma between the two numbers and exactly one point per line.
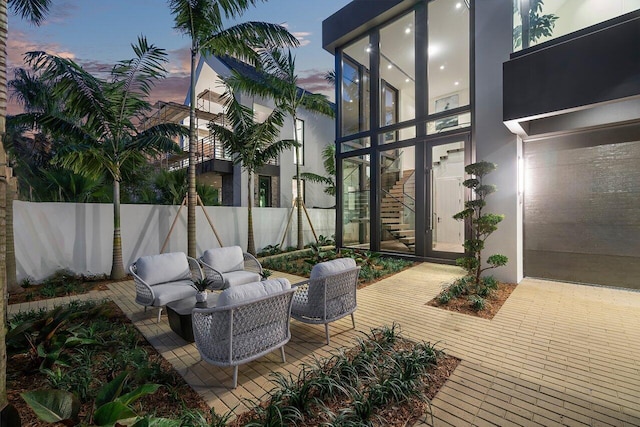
x=213, y=276
x=144, y=292
x=252, y=264
x=196, y=270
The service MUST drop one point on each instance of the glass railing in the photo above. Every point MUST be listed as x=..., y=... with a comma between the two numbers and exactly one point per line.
x=543, y=20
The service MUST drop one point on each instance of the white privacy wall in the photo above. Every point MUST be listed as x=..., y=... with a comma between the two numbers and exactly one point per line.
x=79, y=237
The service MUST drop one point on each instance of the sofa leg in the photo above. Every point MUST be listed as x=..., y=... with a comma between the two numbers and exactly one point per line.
x=284, y=359
x=353, y=320
x=326, y=332
x=235, y=376
x=159, y=313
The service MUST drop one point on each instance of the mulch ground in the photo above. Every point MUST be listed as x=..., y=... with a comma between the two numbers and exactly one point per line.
x=494, y=302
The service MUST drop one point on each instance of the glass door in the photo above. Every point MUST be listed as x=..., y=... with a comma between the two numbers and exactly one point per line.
x=445, y=162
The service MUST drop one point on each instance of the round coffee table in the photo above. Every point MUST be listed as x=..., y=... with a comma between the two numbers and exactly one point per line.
x=179, y=314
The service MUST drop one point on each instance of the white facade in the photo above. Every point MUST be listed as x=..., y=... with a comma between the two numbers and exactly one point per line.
x=319, y=131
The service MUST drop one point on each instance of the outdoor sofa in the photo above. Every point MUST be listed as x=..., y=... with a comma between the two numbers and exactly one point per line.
x=248, y=321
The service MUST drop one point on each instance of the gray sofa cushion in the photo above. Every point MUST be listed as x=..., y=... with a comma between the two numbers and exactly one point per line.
x=224, y=259
x=168, y=292
x=235, y=278
x=328, y=268
x=250, y=291
x=163, y=268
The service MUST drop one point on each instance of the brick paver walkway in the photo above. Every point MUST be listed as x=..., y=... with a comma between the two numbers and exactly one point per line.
x=556, y=354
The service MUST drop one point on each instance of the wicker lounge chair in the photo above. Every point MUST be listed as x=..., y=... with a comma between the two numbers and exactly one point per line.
x=226, y=267
x=248, y=322
x=164, y=278
x=328, y=295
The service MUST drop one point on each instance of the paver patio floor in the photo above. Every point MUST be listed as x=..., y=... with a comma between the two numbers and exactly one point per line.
x=556, y=353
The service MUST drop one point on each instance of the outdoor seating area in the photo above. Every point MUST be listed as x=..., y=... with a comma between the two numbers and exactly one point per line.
x=555, y=354
x=250, y=317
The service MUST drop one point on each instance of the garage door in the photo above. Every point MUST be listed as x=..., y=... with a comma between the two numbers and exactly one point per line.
x=582, y=208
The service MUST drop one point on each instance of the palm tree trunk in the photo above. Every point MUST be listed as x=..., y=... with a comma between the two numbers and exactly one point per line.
x=12, y=281
x=298, y=186
x=251, y=244
x=3, y=157
x=193, y=140
x=117, y=268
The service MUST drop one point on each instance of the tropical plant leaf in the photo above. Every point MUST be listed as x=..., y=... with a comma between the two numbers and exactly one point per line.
x=139, y=392
x=52, y=406
x=110, y=391
x=109, y=413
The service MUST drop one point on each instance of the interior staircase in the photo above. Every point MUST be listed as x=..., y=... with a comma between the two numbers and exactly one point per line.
x=392, y=211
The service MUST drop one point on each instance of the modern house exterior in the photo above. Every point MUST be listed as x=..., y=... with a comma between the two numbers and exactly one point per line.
x=549, y=91
x=274, y=183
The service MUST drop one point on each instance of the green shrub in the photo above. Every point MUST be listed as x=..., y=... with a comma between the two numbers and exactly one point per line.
x=477, y=302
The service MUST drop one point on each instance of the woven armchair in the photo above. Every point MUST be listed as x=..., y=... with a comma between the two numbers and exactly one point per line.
x=248, y=322
x=164, y=278
x=328, y=295
x=229, y=266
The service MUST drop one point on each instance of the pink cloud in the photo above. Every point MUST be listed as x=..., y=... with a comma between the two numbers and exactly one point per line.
x=19, y=44
x=314, y=81
x=173, y=88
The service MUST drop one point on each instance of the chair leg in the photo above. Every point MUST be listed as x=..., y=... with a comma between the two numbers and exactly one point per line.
x=235, y=376
x=284, y=359
x=159, y=313
x=326, y=331
x=353, y=320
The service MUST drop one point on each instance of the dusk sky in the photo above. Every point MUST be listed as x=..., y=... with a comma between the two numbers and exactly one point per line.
x=97, y=33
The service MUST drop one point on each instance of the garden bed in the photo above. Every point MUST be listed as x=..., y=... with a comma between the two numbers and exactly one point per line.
x=90, y=344
x=61, y=283
x=385, y=380
x=373, y=265
x=494, y=302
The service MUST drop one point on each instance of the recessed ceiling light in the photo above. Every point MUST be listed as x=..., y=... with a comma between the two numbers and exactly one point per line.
x=456, y=83
x=407, y=30
x=458, y=5
x=407, y=80
x=389, y=66
x=368, y=49
x=442, y=67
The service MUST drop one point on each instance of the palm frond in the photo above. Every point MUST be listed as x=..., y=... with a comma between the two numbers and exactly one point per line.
x=245, y=39
x=31, y=10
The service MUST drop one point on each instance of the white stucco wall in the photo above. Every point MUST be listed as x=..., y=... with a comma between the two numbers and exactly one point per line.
x=51, y=236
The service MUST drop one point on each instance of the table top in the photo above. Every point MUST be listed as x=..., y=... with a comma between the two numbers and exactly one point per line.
x=186, y=305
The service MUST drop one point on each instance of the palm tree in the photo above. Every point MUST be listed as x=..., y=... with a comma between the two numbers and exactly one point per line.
x=251, y=144
x=34, y=11
x=106, y=140
x=202, y=21
x=329, y=162
x=280, y=83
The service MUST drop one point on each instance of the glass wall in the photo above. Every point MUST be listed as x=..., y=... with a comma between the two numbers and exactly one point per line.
x=448, y=69
x=356, y=176
x=548, y=19
x=356, y=87
x=397, y=76
x=393, y=198
x=398, y=200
